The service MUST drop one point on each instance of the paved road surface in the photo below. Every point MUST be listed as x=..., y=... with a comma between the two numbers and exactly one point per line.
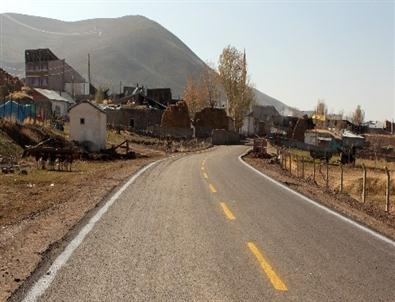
x=205, y=227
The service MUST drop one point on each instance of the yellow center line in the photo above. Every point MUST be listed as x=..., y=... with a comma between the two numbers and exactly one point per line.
x=202, y=168
x=205, y=175
x=273, y=277
x=227, y=211
x=212, y=188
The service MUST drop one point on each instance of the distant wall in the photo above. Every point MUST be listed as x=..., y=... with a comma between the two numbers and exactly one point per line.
x=171, y=132
x=224, y=137
x=134, y=118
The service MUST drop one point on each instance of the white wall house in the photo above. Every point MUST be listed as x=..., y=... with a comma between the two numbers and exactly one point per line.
x=88, y=125
x=248, y=127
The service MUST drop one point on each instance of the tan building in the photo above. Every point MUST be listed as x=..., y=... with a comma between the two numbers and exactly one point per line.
x=45, y=70
x=88, y=125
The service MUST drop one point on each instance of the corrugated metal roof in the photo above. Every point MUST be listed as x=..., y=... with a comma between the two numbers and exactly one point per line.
x=53, y=95
x=349, y=134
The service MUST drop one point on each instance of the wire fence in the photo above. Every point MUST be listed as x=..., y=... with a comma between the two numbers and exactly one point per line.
x=365, y=184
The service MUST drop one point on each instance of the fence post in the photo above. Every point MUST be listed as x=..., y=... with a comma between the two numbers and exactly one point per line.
x=341, y=178
x=327, y=175
x=302, y=167
x=387, y=191
x=314, y=170
x=364, y=184
x=297, y=166
x=290, y=163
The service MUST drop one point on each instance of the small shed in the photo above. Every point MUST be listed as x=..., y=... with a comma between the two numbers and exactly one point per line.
x=320, y=138
x=60, y=101
x=352, y=140
x=88, y=125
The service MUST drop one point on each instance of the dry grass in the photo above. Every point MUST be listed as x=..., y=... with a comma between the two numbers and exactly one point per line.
x=352, y=180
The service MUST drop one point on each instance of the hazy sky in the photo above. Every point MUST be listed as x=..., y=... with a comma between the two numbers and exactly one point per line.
x=298, y=51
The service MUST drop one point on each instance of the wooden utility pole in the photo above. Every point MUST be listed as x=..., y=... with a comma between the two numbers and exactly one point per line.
x=89, y=73
x=63, y=62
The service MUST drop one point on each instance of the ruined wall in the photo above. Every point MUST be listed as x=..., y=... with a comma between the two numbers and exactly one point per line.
x=134, y=118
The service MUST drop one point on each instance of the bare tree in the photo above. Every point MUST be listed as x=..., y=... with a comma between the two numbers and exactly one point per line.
x=192, y=98
x=101, y=95
x=202, y=92
x=358, y=116
x=233, y=75
x=209, y=86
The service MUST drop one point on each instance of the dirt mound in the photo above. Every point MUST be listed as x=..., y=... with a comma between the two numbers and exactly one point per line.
x=23, y=135
x=213, y=118
x=8, y=83
x=176, y=116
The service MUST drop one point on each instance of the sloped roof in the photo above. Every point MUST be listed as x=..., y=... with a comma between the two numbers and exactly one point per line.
x=260, y=112
x=55, y=96
x=349, y=134
x=97, y=107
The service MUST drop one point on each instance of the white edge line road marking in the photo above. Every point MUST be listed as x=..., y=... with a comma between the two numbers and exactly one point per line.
x=45, y=281
x=328, y=210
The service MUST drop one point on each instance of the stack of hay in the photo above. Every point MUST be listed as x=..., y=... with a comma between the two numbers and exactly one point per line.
x=176, y=116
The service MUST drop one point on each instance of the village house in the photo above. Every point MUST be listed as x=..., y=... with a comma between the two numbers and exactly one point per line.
x=137, y=117
x=88, y=125
x=45, y=70
x=259, y=120
x=60, y=101
x=321, y=138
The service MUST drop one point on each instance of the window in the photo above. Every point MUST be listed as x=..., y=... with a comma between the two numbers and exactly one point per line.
x=82, y=121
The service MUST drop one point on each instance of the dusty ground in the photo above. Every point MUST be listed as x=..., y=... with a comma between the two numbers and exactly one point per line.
x=368, y=214
x=38, y=209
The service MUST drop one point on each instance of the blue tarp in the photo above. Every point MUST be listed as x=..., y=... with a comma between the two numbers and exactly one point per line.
x=19, y=112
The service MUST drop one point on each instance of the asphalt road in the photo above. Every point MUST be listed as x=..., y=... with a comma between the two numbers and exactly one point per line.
x=204, y=227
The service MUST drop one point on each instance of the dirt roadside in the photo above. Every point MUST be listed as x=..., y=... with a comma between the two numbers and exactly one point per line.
x=365, y=214
x=38, y=209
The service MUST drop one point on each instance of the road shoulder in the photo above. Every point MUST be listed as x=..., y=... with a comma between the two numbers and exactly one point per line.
x=363, y=214
x=28, y=243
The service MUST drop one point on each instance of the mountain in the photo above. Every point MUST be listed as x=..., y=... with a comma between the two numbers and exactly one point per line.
x=264, y=99
x=131, y=49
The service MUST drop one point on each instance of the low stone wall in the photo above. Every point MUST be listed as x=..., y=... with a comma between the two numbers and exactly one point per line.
x=224, y=137
x=185, y=133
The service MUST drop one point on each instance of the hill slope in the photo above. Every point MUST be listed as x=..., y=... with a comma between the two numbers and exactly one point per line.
x=131, y=49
